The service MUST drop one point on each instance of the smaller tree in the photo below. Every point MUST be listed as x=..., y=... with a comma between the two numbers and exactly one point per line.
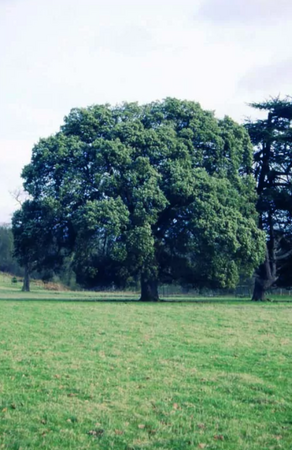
x=7, y=262
x=35, y=230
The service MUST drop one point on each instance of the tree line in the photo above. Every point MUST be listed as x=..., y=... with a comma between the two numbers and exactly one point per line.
x=8, y=263
x=160, y=193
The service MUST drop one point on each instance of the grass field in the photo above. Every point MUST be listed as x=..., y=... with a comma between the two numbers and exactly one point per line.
x=136, y=376
x=10, y=291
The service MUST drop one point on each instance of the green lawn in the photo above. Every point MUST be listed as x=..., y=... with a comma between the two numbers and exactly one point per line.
x=145, y=376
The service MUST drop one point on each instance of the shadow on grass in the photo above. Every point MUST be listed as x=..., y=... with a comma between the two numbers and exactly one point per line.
x=135, y=300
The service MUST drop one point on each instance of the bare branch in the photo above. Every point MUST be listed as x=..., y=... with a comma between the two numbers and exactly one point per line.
x=285, y=255
x=19, y=195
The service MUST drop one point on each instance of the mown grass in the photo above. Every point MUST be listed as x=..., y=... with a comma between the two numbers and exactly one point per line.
x=145, y=376
x=12, y=291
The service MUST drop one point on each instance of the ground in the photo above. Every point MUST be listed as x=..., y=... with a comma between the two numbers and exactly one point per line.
x=132, y=376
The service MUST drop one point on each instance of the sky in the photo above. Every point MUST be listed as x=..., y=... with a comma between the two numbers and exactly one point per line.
x=59, y=54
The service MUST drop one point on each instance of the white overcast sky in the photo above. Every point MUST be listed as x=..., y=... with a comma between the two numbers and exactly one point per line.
x=59, y=54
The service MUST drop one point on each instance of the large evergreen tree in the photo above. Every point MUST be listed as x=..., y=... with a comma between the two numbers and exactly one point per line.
x=272, y=138
x=162, y=192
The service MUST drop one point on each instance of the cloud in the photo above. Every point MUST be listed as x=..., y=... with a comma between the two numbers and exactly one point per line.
x=245, y=11
x=270, y=77
x=133, y=40
x=59, y=54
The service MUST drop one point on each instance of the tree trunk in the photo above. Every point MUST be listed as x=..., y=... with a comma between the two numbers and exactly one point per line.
x=258, y=291
x=26, y=280
x=149, y=290
x=265, y=276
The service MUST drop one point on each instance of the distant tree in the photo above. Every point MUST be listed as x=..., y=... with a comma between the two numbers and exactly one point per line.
x=272, y=138
x=7, y=262
x=35, y=228
x=162, y=191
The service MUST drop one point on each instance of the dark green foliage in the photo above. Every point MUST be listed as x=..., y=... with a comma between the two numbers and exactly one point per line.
x=163, y=191
x=272, y=138
x=37, y=238
x=285, y=265
x=7, y=262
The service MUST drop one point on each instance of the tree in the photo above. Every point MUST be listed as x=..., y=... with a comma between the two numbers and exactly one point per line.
x=162, y=192
x=7, y=262
x=37, y=240
x=272, y=138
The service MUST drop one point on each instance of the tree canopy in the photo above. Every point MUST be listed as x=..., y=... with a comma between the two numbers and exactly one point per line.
x=272, y=140
x=162, y=192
